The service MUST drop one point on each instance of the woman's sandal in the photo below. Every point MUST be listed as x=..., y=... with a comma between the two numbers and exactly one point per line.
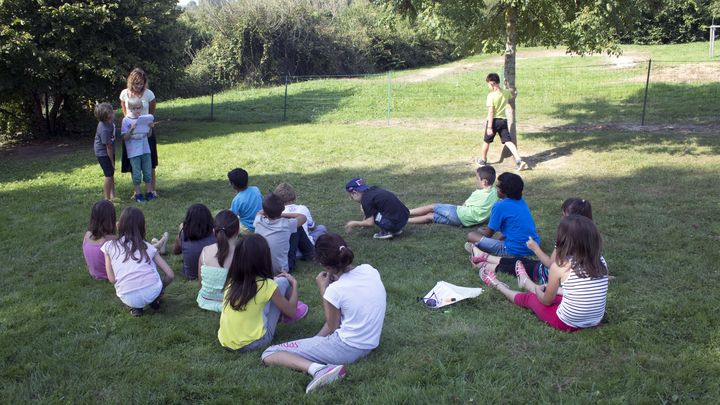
x=521, y=274
x=488, y=277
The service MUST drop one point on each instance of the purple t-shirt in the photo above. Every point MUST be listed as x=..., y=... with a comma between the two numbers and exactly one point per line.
x=95, y=259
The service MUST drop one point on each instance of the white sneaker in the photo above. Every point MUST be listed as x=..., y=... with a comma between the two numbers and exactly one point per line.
x=325, y=376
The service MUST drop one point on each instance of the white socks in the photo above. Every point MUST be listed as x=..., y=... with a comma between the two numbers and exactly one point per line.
x=314, y=368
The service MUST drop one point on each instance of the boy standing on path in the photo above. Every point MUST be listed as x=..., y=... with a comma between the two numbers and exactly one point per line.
x=496, y=102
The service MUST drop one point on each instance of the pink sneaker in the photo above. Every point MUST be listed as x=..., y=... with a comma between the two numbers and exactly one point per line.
x=300, y=312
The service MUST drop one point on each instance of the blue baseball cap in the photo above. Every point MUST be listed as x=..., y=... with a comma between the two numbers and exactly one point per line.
x=356, y=184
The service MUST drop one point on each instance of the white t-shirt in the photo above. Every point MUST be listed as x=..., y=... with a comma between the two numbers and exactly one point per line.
x=360, y=296
x=301, y=209
x=147, y=97
x=130, y=275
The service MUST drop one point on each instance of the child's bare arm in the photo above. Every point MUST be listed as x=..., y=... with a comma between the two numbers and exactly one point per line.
x=162, y=264
x=544, y=258
x=369, y=221
x=301, y=219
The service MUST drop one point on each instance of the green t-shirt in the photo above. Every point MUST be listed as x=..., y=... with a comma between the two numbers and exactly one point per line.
x=498, y=100
x=477, y=207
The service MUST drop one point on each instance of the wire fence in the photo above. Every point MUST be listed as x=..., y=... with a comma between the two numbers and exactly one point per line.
x=652, y=92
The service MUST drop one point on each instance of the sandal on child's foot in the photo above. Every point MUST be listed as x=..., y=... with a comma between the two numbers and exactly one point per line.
x=521, y=274
x=136, y=311
x=479, y=258
x=488, y=277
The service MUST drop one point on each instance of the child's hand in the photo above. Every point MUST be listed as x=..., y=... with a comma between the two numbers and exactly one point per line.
x=290, y=278
x=323, y=280
x=531, y=244
x=489, y=131
x=349, y=227
x=133, y=125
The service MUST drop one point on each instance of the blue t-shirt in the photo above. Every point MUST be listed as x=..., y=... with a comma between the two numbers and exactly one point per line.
x=513, y=219
x=246, y=204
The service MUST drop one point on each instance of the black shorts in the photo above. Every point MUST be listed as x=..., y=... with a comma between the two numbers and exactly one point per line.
x=107, y=165
x=500, y=126
x=125, y=166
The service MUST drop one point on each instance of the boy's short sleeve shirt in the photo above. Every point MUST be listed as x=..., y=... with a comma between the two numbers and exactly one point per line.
x=376, y=200
x=514, y=220
x=477, y=207
x=301, y=209
x=246, y=205
x=498, y=100
x=104, y=135
x=277, y=233
x=138, y=144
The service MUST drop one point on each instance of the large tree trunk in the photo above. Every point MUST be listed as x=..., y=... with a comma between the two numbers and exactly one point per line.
x=509, y=72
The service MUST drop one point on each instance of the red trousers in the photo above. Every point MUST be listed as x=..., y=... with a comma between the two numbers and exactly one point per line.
x=546, y=313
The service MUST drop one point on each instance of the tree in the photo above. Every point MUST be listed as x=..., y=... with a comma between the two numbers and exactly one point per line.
x=57, y=57
x=582, y=26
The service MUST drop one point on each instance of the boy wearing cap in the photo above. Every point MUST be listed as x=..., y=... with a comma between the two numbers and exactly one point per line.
x=380, y=207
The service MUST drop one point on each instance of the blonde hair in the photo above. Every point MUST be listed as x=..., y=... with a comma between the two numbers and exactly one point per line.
x=134, y=102
x=286, y=192
x=103, y=111
x=137, y=73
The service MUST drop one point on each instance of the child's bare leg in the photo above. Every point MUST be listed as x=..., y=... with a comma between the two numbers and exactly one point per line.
x=487, y=257
x=485, y=149
x=107, y=188
x=424, y=210
x=137, y=189
x=474, y=237
x=288, y=360
x=486, y=265
x=514, y=150
x=507, y=292
x=152, y=182
x=422, y=219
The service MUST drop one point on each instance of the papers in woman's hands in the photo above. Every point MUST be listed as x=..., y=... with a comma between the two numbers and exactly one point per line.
x=142, y=125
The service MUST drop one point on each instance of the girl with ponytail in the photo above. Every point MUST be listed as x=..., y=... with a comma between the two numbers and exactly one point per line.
x=215, y=260
x=353, y=299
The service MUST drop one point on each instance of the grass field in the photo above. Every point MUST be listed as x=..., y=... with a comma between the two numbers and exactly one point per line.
x=65, y=338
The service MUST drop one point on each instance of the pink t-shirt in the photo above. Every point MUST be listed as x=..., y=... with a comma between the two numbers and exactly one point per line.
x=130, y=275
x=95, y=259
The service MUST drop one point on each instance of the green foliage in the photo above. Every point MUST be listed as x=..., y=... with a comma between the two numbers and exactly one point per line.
x=57, y=57
x=670, y=21
x=259, y=42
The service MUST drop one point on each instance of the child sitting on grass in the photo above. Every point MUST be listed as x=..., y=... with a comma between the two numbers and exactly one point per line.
x=247, y=202
x=512, y=217
x=474, y=211
x=578, y=269
x=277, y=228
x=354, y=300
x=303, y=242
x=379, y=207
x=254, y=299
x=105, y=147
x=215, y=260
x=537, y=269
x=196, y=232
x=131, y=264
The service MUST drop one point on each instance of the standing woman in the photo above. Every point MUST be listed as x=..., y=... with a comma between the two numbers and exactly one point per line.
x=137, y=86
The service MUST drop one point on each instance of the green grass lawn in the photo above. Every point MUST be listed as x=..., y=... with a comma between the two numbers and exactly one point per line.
x=66, y=338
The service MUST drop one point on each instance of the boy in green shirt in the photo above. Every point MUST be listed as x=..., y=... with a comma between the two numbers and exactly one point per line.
x=474, y=211
x=496, y=103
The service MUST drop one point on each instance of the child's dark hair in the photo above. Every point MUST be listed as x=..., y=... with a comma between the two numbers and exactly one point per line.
x=579, y=241
x=332, y=251
x=102, y=219
x=486, y=173
x=511, y=185
x=273, y=205
x=577, y=206
x=227, y=225
x=238, y=178
x=131, y=235
x=198, y=223
x=103, y=111
x=251, y=261
x=493, y=77
x=286, y=192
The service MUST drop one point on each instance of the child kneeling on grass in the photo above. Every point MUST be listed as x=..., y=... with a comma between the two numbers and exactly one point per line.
x=578, y=269
x=354, y=301
x=131, y=264
x=254, y=300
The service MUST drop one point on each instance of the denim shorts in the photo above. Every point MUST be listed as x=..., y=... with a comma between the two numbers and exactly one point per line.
x=495, y=247
x=446, y=214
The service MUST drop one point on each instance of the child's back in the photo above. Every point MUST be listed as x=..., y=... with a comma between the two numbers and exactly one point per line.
x=248, y=200
x=277, y=233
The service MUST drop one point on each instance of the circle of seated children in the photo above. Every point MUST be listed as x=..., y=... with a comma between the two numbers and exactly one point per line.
x=246, y=278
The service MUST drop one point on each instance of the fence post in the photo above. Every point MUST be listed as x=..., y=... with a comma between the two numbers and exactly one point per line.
x=212, y=103
x=647, y=84
x=285, y=103
x=389, y=96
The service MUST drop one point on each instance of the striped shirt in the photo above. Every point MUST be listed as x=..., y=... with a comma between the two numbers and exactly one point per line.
x=584, y=299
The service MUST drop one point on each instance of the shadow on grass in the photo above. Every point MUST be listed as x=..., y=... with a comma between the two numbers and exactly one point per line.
x=668, y=104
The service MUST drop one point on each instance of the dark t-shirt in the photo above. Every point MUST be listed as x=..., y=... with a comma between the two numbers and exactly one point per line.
x=377, y=200
x=191, y=253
